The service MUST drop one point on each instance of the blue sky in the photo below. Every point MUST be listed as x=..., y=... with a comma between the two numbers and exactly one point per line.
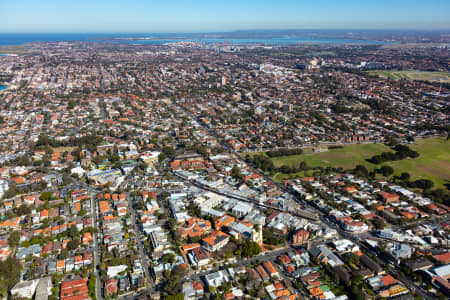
x=218, y=15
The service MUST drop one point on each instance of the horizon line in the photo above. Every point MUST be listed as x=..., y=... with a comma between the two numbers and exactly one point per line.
x=226, y=31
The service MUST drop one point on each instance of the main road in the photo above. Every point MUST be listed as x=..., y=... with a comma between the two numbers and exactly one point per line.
x=301, y=213
x=94, y=214
x=137, y=234
x=355, y=238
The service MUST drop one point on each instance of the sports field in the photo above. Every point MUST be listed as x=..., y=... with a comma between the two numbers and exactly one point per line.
x=412, y=75
x=433, y=162
x=347, y=157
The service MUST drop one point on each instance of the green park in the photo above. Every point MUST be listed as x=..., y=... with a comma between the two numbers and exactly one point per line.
x=412, y=75
x=433, y=162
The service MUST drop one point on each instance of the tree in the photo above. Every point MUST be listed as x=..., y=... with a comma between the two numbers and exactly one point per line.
x=73, y=244
x=405, y=176
x=250, y=248
x=177, y=296
x=14, y=239
x=73, y=231
x=11, y=192
x=168, y=258
x=43, y=140
x=236, y=173
x=361, y=171
x=378, y=223
x=303, y=166
x=169, y=151
x=91, y=286
x=356, y=293
x=64, y=254
x=273, y=238
x=353, y=259
x=143, y=166
x=212, y=290
x=71, y=104
x=386, y=170
x=22, y=210
x=173, y=282
x=162, y=157
x=424, y=184
x=9, y=274
x=46, y=161
x=45, y=196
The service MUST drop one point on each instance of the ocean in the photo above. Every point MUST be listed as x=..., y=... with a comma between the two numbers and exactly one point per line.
x=155, y=38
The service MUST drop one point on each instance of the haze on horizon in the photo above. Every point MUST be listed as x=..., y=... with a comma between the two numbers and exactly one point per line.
x=30, y=16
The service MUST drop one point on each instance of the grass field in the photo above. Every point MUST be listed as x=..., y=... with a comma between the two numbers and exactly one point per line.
x=347, y=157
x=412, y=75
x=433, y=162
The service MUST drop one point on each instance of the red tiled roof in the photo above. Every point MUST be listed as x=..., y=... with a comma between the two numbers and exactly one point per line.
x=388, y=280
x=444, y=257
x=74, y=290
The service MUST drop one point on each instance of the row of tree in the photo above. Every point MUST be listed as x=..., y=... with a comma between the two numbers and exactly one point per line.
x=89, y=141
x=264, y=163
x=261, y=161
x=401, y=152
x=9, y=275
x=284, y=152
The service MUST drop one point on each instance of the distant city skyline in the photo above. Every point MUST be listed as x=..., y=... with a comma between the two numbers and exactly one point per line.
x=139, y=16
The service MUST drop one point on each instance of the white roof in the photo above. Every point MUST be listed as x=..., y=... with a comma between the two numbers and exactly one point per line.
x=242, y=207
x=442, y=271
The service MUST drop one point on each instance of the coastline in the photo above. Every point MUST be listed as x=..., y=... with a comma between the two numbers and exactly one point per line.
x=277, y=39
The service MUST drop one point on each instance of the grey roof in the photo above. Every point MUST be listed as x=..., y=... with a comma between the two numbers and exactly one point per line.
x=417, y=264
x=442, y=271
x=42, y=289
x=333, y=260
